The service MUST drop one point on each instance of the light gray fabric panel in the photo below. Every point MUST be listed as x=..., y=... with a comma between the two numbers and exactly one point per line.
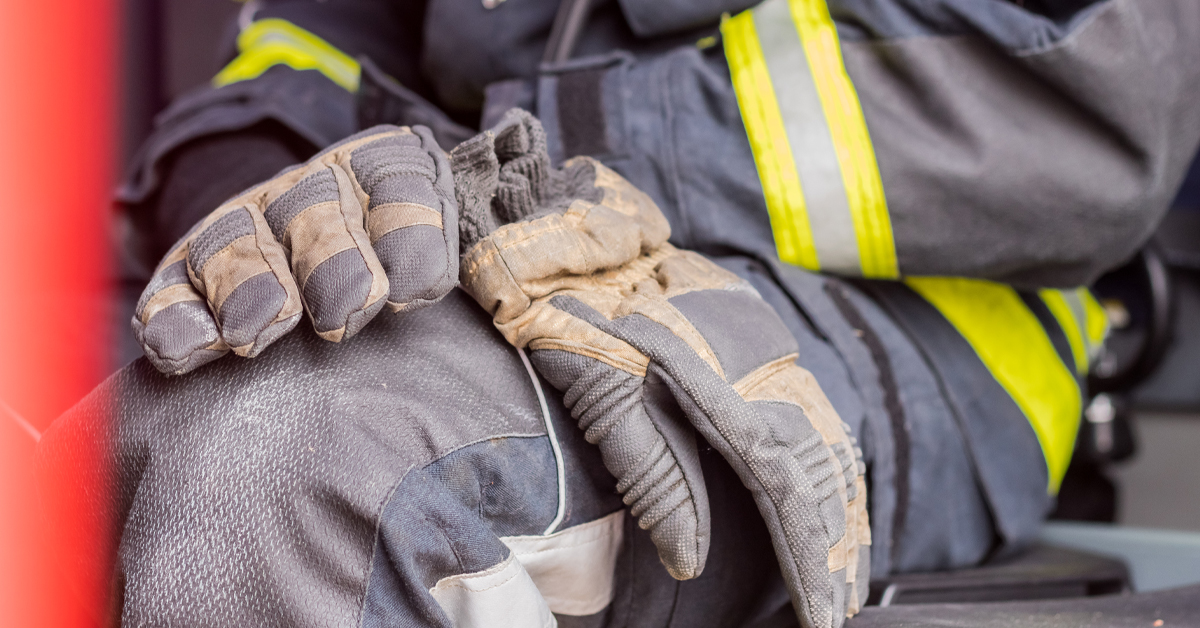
x=1044, y=168
x=760, y=330
x=1008, y=24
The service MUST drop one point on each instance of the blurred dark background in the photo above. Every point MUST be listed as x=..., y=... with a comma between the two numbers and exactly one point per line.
x=1139, y=463
x=170, y=46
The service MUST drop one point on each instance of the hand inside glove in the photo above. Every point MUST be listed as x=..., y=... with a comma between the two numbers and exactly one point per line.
x=368, y=222
x=573, y=264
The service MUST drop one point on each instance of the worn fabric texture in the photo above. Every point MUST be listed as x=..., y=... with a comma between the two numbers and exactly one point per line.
x=326, y=484
x=609, y=310
x=1023, y=148
x=983, y=82
x=360, y=226
x=1037, y=145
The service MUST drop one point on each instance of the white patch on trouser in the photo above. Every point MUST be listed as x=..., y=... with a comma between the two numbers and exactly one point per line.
x=500, y=597
x=568, y=572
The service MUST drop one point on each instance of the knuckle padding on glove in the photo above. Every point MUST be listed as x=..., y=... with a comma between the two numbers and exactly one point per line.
x=759, y=329
x=332, y=271
x=407, y=180
x=653, y=457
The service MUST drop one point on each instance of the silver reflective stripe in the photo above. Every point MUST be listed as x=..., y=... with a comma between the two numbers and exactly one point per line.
x=808, y=133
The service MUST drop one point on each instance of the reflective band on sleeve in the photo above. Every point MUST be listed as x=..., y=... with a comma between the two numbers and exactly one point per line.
x=1082, y=320
x=810, y=141
x=1069, y=314
x=769, y=143
x=1095, y=322
x=1014, y=347
x=270, y=42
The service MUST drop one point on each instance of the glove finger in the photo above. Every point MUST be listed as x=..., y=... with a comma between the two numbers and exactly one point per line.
x=793, y=384
x=795, y=478
x=412, y=216
x=172, y=322
x=646, y=446
x=240, y=268
x=319, y=221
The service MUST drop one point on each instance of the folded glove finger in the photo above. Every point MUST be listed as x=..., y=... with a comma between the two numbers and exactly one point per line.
x=241, y=270
x=651, y=453
x=789, y=383
x=172, y=321
x=780, y=455
x=412, y=216
x=783, y=387
x=319, y=221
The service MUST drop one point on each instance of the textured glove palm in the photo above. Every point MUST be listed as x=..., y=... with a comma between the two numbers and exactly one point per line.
x=628, y=326
x=359, y=226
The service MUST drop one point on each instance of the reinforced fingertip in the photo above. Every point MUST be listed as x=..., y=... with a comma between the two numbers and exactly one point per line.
x=339, y=296
x=180, y=337
x=356, y=321
x=251, y=308
x=273, y=332
x=417, y=263
x=681, y=547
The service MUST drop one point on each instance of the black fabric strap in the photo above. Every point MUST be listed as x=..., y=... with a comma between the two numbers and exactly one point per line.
x=891, y=403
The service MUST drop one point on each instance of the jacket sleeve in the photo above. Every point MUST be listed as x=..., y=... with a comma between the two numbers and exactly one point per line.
x=286, y=53
x=1038, y=149
x=304, y=75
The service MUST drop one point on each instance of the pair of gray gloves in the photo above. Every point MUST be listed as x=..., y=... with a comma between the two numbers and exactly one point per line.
x=573, y=264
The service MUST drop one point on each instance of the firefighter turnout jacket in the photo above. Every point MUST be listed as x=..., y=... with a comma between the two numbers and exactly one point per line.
x=917, y=187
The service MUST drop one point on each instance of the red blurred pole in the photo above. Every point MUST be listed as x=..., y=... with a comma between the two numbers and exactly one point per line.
x=58, y=85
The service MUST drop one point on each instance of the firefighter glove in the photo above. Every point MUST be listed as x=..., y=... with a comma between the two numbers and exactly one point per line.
x=574, y=265
x=368, y=223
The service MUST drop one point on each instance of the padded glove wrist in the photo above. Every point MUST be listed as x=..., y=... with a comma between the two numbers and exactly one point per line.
x=631, y=328
x=368, y=222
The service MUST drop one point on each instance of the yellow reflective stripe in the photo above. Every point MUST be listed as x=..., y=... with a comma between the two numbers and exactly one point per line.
x=806, y=219
x=270, y=42
x=1072, y=325
x=1096, y=322
x=855, y=154
x=1083, y=321
x=1010, y=341
x=768, y=142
